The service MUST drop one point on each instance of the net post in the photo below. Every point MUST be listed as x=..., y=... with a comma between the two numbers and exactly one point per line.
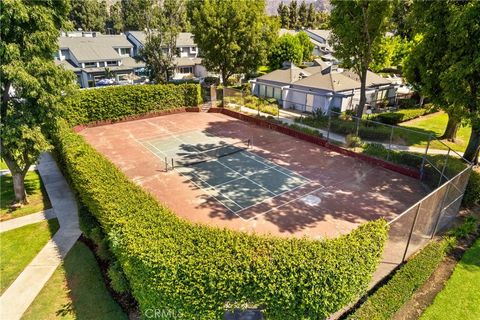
x=166, y=164
x=443, y=169
x=173, y=167
x=411, y=232
x=422, y=167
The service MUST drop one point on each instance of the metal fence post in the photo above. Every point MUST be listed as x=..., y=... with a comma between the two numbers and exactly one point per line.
x=329, y=123
x=443, y=169
x=390, y=144
x=441, y=211
x=411, y=232
x=425, y=157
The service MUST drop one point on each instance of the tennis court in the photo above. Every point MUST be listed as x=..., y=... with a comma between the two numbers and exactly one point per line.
x=227, y=173
x=224, y=170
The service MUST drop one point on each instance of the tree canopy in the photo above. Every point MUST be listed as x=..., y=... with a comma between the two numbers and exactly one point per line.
x=88, y=15
x=233, y=36
x=294, y=16
x=287, y=49
x=32, y=86
x=358, y=28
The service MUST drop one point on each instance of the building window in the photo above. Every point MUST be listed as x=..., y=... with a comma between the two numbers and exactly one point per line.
x=124, y=51
x=193, y=49
x=112, y=63
x=186, y=69
x=90, y=65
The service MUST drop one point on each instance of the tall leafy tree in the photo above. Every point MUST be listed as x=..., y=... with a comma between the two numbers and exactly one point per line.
x=233, y=35
x=357, y=30
x=163, y=22
x=33, y=88
x=311, y=17
x=132, y=14
x=288, y=48
x=115, y=18
x=307, y=45
x=89, y=15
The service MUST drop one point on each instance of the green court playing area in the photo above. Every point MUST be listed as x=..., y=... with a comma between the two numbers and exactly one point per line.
x=224, y=169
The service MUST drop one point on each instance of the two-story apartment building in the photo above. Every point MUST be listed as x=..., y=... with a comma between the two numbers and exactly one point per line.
x=93, y=56
x=187, y=63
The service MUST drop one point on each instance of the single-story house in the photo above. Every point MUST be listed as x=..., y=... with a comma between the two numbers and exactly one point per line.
x=321, y=88
x=93, y=57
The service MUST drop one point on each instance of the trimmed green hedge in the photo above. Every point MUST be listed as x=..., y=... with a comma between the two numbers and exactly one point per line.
x=401, y=115
x=118, y=102
x=387, y=300
x=198, y=271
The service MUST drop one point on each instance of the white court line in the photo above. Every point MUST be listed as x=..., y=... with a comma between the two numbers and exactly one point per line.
x=306, y=194
x=211, y=195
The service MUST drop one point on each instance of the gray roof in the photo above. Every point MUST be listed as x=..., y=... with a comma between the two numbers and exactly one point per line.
x=99, y=48
x=324, y=33
x=373, y=79
x=184, y=61
x=184, y=39
x=286, y=75
x=335, y=82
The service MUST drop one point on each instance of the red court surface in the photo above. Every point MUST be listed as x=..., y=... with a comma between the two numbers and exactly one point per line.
x=336, y=192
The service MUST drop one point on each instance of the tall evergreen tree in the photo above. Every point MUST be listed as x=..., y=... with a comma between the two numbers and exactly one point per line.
x=284, y=15
x=293, y=15
x=115, y=18
x=88, y=15
x=311, y=17
x=303, y=15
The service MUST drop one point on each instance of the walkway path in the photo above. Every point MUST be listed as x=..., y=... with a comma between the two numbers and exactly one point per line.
x=18, y=297
x=288, y=117
x=28, y=219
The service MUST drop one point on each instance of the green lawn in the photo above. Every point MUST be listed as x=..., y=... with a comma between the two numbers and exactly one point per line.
x=460, y=298
x=435, y=124
x=75, y=291
x=20, y=246
x=37, y=196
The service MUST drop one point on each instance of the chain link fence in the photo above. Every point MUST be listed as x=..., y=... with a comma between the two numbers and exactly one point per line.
x=443, y=171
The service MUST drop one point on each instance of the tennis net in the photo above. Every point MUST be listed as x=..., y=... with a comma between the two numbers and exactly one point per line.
x=193, y=158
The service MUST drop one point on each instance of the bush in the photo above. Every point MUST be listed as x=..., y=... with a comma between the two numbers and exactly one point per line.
x=352, y=141
x=396, y=117
x=117, y=279
x=172, y=264
x=115, y=103
x=410, y=103
x=387, y=300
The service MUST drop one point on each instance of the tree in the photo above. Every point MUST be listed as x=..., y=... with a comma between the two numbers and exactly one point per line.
x=115, y=18
x=293, y=10
x=132, y=13
x=401, y=21
x=307, y=45
x=311, y=17
x=33, y=88
x=288, y=48
x=302, y=15
x=430, y=57
x=284, y=15
x=88, y=15
x=162, y=26
x=357, y=29
x=233, y=36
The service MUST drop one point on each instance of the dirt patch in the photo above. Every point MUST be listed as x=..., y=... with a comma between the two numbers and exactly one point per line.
x=424, y=296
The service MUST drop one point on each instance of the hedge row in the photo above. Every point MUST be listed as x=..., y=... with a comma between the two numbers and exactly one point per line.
x=118, y=102
x=387, y=300
x=396, y=117
x=198, y=271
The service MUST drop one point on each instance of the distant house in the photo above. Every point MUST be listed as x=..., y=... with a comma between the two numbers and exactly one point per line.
x=321, y=87
x=187, y=63
x=93, y=57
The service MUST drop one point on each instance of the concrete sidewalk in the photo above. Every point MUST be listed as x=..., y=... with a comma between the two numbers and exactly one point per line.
x=28, y=219
x=21, y=293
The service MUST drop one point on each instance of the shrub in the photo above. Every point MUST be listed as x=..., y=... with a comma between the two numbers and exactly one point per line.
x=172, y=264
x=409, y=103
x=117, y=279
x=396, y=117
x=306, y=130
x=118, y=102
x=352, y=141
x=387, y=300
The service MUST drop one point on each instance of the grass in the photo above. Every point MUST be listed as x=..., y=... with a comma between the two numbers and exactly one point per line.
x=75, y=291
x=20, y=246
x=37, y=196
x=435, y=124
x=460, y=298
x=3, y=165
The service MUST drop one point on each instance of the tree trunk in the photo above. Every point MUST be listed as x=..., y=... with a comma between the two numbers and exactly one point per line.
x=363, y=98
x=471, y=153
x=18, y=179
x=451, y=130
